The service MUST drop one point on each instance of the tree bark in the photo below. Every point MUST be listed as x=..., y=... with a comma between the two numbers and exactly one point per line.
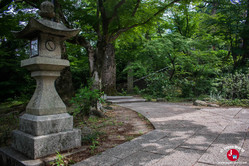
x=108, y=72
x=130, y=80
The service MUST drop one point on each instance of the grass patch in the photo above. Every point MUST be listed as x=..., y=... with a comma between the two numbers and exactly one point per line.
x=235, y=102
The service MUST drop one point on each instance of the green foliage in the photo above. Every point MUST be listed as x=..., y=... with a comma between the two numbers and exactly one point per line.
x=234, y=102
x=86, y=98
x=93, y=140
x=59, y=159
x=188, y=73
x=88, y=139
x=79, y=65
x=15, y=81
x=94, y=145
x=159, y=85
x=8, y=123
x=232, y=86
x=196, y=41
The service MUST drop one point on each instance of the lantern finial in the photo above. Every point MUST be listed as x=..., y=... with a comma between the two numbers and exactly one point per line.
x=47, y=10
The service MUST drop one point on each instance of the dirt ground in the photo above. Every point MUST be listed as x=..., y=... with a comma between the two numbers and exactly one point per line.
x=99, y=134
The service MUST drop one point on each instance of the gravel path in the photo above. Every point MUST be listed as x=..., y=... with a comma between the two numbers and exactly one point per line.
x=183, y=135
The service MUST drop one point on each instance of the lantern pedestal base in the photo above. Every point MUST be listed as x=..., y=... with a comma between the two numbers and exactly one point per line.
x=40, y=146
x=10, y=157
x=43, y=125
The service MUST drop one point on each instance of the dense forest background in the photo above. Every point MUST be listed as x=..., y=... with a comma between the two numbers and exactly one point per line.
x=171, y=49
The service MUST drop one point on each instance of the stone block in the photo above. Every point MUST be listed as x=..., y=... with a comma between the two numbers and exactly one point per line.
x=44, y=64
x=200, y=103
x=10, y=157
x=48, y=124
x=40, y=146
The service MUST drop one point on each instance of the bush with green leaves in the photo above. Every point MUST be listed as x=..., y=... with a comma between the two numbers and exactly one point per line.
x=232, y=86
x=86, y=98
x=159, y=85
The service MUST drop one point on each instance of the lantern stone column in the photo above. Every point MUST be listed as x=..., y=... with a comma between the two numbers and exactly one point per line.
x=46, y=127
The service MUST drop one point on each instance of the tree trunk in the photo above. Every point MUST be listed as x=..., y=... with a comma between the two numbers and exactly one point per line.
x=130, y=80
x=108, y=70
x=64, y=84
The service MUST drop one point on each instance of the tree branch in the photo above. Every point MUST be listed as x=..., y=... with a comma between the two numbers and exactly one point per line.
x=61, y=15
x=31, y=3
x=136, y=7
x=105, y=21
x=80, y=40
x=116, y=10
x=98, y=22
x=122, y=30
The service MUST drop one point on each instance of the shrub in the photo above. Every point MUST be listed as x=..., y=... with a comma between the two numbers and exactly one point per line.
x=84, y=99
x=233, y=86
x=159, y=85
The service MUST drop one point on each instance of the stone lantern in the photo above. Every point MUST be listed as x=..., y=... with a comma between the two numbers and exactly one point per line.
x=46, y=127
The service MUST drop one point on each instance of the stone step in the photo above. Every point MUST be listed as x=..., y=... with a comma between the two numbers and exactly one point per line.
x=118, y=97
x=132, y=100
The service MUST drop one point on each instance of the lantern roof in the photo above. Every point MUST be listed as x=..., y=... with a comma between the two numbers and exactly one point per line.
x=45, y=25
x=35, y=27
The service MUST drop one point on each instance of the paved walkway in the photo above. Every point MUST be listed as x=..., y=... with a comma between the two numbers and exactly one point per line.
x=183, y=135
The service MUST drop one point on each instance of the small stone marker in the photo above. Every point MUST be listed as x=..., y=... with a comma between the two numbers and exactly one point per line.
x=46, y=127
x=200, y=103
x=203, y=103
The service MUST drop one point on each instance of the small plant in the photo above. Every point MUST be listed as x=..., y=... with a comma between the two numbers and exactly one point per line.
x=120, y=123
x=140, y=132
x=59, y=161
x=124, y=93
x=235, y=102
x=93, y=119
x=90, y=137
x=140, y=116
x=94, y=145
x=129, y=138
x=85, y=99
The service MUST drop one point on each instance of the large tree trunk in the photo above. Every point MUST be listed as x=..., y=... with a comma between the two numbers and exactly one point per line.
x=108, y=70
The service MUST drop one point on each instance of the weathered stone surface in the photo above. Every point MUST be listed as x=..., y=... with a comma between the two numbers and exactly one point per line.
x=200, y=103
x=42, y=125
x=46, y=128
x=140, y=158
x=118, y=101
x=213, y=105
x=118, y=97
x=47, y=10
x=101, y=160
x=181, y=157
x=44, y=64
x=10, y=157
x=45, y=100
x=40, y=146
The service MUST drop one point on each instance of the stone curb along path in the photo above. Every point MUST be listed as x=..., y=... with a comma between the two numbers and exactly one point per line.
x=183, y=135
